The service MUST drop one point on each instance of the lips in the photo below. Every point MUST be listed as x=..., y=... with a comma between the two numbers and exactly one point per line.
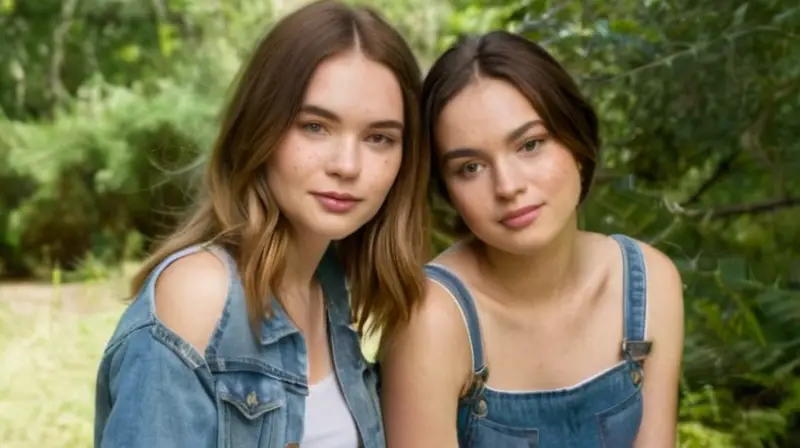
x=336, y=202
x=336, y=195
x=521, y=217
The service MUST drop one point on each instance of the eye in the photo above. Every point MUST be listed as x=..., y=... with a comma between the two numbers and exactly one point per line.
x=531, y=145
x=470, y=169
x=380, y=139
x=314, y=128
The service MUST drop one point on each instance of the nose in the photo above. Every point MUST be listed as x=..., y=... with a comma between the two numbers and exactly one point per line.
x=508, y=181
x=345, y=159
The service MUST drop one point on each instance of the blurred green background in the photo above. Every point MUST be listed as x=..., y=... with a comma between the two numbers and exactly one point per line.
x=104, y=103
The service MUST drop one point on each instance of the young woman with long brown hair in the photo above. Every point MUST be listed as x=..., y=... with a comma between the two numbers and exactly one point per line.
x=533, y=332
x=309, y=229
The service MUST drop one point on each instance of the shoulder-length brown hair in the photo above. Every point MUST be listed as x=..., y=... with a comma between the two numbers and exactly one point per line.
x=555, y=96
x=235, y=209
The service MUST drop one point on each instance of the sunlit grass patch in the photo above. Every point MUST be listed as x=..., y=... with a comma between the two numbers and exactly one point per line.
x=48, y=361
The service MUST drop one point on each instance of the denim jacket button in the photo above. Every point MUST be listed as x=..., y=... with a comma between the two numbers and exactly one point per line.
x=481, y=408
x=251, y=399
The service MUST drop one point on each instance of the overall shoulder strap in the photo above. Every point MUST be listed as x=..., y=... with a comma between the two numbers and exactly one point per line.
x=635, y=346
x=466, y=304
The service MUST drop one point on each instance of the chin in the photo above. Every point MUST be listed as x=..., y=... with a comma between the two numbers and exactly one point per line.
x=519, y=248
x=335, y=228
x=521, y=242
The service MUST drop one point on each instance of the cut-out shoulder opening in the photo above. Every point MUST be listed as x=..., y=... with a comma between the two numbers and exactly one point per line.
x=190, y=295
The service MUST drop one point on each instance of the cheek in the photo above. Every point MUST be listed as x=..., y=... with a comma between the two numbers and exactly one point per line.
x=472, y=200
x=558, y=179
x=383, y=169
x=293, y=161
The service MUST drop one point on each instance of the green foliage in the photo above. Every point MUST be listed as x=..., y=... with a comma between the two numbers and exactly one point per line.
x=99, y=173
x=102, y=122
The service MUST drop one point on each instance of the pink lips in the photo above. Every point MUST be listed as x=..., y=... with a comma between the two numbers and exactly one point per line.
x=521, y=217
x=336, y=202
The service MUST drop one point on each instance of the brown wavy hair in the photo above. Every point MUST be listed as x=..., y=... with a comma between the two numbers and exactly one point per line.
x=235, y=209
x=567, y=114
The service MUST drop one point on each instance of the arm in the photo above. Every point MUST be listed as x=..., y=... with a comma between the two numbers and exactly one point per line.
x=153, y=388
x=423, y=371
x=152, y=399
x=662, y=367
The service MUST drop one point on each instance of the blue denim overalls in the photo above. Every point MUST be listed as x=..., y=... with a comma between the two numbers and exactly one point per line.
x=155, y=390
x=604, y=411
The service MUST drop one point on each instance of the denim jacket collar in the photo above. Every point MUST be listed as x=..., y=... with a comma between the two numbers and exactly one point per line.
x=330, y=275
x=233, y=324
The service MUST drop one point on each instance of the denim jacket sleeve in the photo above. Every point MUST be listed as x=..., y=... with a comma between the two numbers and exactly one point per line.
x=150, y=393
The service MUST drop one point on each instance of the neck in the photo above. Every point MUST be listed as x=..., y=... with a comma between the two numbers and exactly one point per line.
x=541, y=276
x=303, y=255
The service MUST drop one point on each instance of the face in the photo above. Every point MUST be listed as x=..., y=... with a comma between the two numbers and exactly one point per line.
x=342, y=154
x=515, y=186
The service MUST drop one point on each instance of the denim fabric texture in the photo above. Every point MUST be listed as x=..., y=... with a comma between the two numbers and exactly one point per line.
x=155, y=390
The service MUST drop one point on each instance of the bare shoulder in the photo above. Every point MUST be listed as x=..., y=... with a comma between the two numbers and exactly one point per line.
x=437, y=322
x=441, y=315
x=424, y=370
x=435, y=340
x=662, y=274
x=190, y=295
x=660, y=267
x=664, y=290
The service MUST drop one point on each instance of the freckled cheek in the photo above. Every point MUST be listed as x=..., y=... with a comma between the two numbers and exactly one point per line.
x=300, y=161
x=384, y=171
x=311, y=161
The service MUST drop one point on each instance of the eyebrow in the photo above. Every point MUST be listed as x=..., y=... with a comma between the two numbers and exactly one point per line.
x=471, y=152
x=329, y=115
x=520, y=131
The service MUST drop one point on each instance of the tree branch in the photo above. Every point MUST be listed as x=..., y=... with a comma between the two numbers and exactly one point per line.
x=691, y=50
x=753, y=208
x=723, y=169
x=102, y=19
x=160, y=11
x=750, y=140
x=604, y=177
x=57, y=89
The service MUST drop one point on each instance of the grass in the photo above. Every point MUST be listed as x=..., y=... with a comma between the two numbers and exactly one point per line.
x=49, y=359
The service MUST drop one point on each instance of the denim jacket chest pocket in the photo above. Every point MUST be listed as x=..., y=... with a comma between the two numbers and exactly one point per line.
x=252, y=410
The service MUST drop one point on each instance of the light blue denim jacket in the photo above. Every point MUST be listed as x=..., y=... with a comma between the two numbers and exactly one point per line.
x=155, y=390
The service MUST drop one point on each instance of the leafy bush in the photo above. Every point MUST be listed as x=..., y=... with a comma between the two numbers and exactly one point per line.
x=99, y=174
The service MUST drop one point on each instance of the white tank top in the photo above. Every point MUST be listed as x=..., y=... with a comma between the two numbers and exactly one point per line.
x=328, y=423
